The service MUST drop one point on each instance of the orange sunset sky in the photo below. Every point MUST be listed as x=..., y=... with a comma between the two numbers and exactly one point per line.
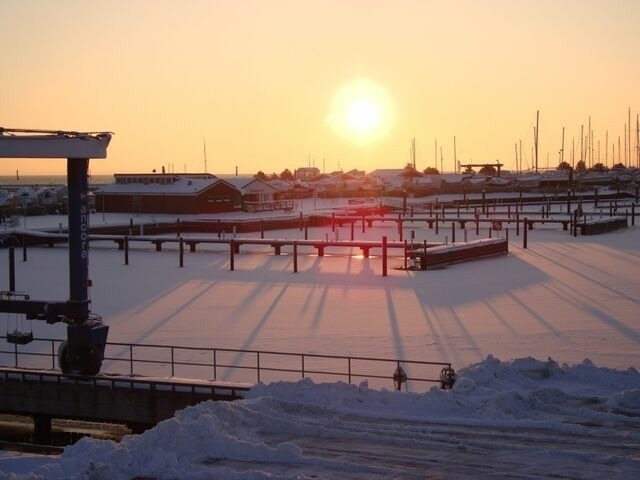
x=270, y=85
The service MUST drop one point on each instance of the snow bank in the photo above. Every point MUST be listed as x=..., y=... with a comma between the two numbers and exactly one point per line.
x=261, y=436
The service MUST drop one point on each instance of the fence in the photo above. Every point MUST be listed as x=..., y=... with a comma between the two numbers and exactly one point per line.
x=238, y=365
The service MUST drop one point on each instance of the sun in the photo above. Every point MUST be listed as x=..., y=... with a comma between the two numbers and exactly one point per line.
x=363, y=115
x=361, y=112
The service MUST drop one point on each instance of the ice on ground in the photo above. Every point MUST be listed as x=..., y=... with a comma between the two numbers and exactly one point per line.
x=525, y=418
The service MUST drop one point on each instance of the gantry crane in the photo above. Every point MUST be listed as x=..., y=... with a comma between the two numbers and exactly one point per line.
x=83, y=350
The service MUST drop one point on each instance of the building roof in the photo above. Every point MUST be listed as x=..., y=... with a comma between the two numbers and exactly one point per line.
x=161, y=183
x=250, y=185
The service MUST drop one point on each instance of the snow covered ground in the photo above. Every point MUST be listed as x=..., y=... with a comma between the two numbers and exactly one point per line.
x=513, y=413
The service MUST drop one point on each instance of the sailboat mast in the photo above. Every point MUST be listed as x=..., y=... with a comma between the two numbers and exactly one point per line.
x=629, y=129
x=204, y=143
x=638, y=140
x=455, y=156
x=562, y=148
x=536, y=137
x=413, y=152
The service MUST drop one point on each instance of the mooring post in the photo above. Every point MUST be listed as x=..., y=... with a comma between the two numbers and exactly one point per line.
x=423, y=263
x=261, y=228
x=568, y=202
x=453, y=232
x=177, y=227
x=41, y=429
x=363, y=223
x=517, y=224
x=400, y=226
x=477, y=225
x=524, y=231
x=181, y=253
x=575, y=223
x=295, y=257
x=384, y=256
x=406, y=249
x=595, y=196
x=126, y=250
x=301, y=221
x=306, y=230
x=353, y=222
x=24, y=248
x=232, y=252
x=12, y=270
x=437, y=221
x=219, y=228
x=633, y=214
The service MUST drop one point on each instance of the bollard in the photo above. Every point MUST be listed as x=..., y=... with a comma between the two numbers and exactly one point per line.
x=231, y=256
x=423, y=263
x=12, y=270
x=524, y=231
x=384, y=256
x=295, y=257
x=406, y=248
x=126, y=250
x=181, y=249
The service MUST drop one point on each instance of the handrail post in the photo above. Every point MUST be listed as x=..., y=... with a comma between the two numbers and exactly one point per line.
x=215, y=365
x=349, y=366
x=302, y=357
x=15, y=349
x=53, y=354
x=131, y=359
x=172, y=364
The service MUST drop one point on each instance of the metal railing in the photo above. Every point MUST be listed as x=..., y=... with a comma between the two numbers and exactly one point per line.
x=237, y=365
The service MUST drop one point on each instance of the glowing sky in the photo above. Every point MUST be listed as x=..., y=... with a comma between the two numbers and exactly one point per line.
x=279, y=84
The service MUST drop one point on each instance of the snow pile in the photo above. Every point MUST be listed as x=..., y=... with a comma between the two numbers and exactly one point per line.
x=291, y=429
